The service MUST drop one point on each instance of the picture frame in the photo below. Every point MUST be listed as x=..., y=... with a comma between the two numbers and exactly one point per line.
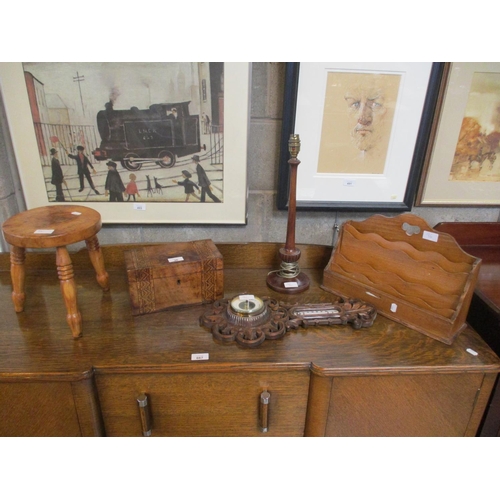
x=462, y=164
x=314, y=93
x=33, y=144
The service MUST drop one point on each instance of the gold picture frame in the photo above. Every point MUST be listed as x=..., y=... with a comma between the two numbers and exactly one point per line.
x=462, y=166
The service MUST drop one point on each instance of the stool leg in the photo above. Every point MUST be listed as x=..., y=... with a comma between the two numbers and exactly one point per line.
x=97, y=260
x=68, y=289
x=17, y=273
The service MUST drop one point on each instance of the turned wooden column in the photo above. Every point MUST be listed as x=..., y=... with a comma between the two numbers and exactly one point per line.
x=68, y=290
x=17, y=272
x=289, y=279
x=97, y=260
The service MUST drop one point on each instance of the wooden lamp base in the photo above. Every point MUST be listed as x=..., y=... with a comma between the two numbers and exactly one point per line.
x=298, y=284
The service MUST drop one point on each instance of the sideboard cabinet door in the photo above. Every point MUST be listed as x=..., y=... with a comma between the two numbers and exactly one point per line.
x=35, y=408
x=204, y=404
x=398, y=405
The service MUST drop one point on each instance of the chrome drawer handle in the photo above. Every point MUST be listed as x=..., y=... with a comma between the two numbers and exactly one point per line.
x=264, y=411
x=145, y=414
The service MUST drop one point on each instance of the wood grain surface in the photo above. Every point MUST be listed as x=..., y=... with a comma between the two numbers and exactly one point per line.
x=482, y=239
x=135, y=353
x=68, y=223
x=416, y=276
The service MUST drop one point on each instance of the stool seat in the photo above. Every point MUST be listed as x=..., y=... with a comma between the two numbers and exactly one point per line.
x=50, y=227
x=55, y=227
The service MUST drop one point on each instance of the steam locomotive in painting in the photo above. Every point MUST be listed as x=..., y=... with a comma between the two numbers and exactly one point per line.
x=158, y=135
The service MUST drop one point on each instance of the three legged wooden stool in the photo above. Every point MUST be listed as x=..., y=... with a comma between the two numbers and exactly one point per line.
x=49, y=227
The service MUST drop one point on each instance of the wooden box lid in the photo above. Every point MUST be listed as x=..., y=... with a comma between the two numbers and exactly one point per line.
x=171, y=259
x=411, y=273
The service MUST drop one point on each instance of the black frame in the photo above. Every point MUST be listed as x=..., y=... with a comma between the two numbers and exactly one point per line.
x=421, y=145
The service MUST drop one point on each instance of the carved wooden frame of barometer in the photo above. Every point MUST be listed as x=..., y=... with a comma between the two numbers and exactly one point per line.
x=250, y=320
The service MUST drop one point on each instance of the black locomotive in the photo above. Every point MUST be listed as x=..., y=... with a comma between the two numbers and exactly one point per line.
x=136, y=137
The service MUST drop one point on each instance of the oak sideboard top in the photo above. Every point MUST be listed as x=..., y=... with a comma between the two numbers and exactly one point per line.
x=37, y=344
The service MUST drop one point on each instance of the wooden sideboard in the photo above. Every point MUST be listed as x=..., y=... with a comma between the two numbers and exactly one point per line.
x=386, y=380
x=482, y=239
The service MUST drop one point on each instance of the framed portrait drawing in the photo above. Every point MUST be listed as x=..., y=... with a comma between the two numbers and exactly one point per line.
x=138, y=142
x=462, y=167
x=364, y=129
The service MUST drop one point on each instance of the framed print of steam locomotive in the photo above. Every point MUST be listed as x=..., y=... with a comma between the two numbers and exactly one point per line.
x=138, y=142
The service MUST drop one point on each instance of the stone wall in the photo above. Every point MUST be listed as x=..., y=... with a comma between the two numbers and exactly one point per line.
x=265, y=222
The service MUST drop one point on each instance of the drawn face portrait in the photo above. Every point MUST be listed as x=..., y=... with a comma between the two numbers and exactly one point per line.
x=357, y=120
x=366, y=110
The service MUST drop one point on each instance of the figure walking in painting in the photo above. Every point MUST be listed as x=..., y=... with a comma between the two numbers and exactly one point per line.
x=57, y=175
x=203, y=181
x=189, y=185
x=131, y=188
x=114, y=185
x=83, y=164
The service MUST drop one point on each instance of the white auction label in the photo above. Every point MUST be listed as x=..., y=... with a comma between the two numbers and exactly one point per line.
x=471, y=351
x=200, y=356
x=44, y=231
x=176, y=259
x=76, y=213
x=247, y=297
x=291, y=284
x=139, y=206
x=394, y=307
x=427, y=235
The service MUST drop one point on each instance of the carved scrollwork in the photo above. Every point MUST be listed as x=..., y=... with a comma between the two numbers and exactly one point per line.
x=275, y=319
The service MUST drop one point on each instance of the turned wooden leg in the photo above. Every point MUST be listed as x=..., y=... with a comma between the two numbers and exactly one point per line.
x=68, y=289
x=17, y=273
x=97, y=260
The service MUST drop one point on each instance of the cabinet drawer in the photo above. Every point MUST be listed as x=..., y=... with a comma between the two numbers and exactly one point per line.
x=205, y=404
